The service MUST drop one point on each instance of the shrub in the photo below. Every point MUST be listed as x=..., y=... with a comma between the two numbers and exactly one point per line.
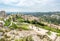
x=7, y=22
x=14, y=26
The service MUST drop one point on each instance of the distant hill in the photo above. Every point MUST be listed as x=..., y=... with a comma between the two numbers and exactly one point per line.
x=34, y=13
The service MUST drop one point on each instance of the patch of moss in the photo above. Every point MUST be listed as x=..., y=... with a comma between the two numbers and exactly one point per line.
x=29, y=38
x=49, y=33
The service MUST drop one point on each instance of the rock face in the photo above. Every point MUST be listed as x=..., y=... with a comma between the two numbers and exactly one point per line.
x=2, y=14
x=14, y=34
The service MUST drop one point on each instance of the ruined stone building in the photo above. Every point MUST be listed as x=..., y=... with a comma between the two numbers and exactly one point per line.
x=2, y=14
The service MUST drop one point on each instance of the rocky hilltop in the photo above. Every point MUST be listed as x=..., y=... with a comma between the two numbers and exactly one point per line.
x=17, y=27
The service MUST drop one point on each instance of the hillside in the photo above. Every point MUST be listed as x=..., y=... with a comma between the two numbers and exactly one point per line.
x=23, y=27
x=53, y=17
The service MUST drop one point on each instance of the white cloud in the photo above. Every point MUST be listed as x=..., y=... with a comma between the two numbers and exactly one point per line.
x=29, y=5
x=23, y=2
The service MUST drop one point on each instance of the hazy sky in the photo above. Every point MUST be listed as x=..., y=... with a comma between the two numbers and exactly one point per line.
x=30, y=5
